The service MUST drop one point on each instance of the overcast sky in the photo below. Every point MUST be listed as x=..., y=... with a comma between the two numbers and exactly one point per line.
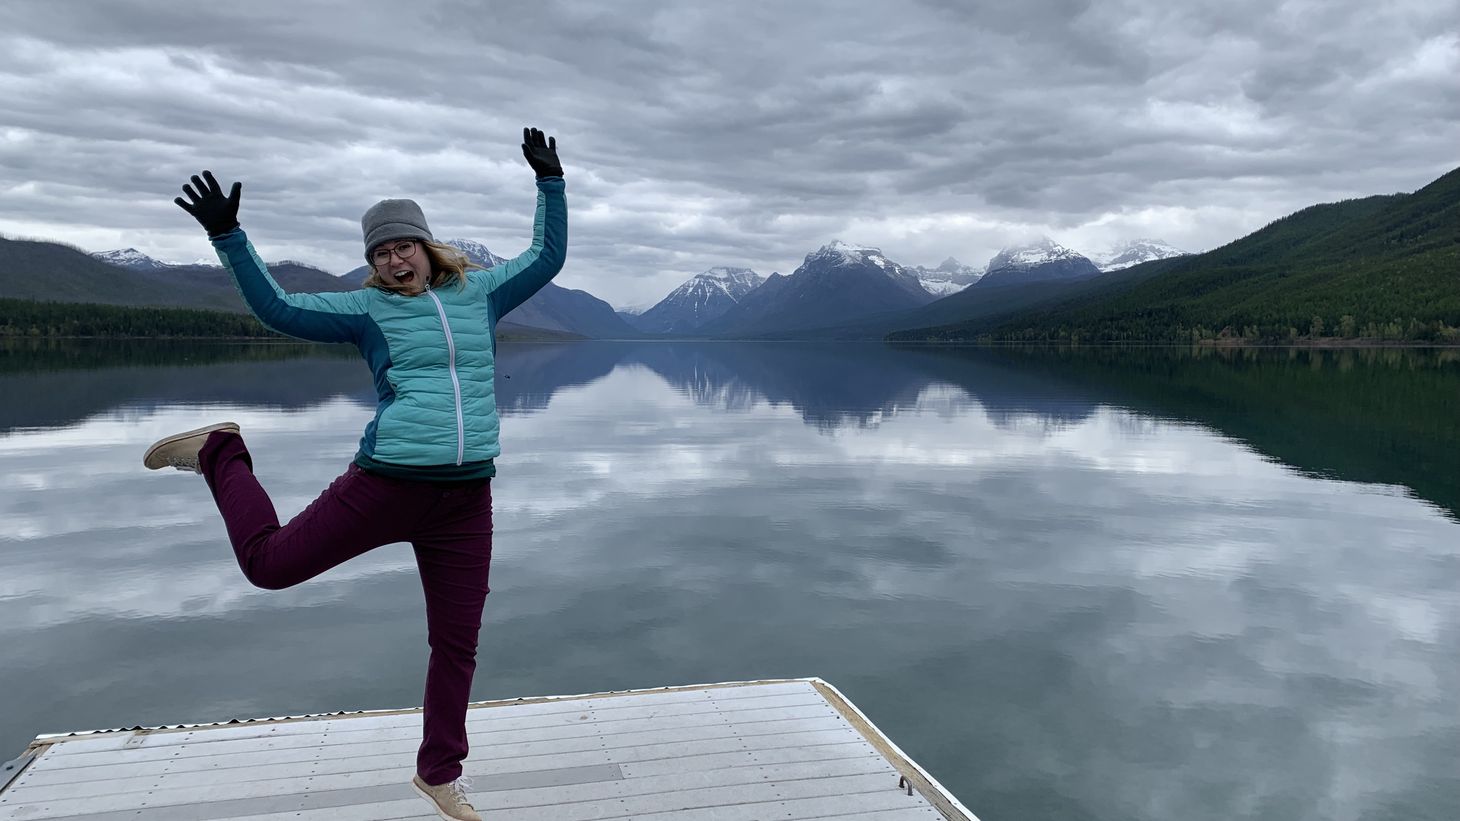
x=705, y=134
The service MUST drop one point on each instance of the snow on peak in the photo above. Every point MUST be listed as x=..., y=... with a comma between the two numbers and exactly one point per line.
x=733, y=283
x=843, y=253
x=722, y=272
x=941, y=287
x=475, y=251
x=847, y=247
x=951, y=276
x=1030, y=254
x=129, y=258
x=1134, y=252
x=699, y=299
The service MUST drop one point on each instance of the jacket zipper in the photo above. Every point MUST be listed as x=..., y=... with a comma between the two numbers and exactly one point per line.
x=455, y=383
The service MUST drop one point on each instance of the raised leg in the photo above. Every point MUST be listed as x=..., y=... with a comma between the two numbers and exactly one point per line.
x=357, y=512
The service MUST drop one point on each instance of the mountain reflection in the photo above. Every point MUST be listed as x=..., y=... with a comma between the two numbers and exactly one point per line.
x=1375, y=416
x=57, y=384
x=829, y=385
x=1383, y=417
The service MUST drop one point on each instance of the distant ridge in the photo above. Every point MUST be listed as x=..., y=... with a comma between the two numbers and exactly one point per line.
x=46, y=271
x=1384, y=267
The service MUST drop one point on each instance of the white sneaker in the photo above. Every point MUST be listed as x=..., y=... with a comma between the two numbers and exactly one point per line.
x=181, y=449
x=448, y=799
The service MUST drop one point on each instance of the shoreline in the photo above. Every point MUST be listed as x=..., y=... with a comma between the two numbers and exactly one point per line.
x=1337, y=344
x=1317, y=344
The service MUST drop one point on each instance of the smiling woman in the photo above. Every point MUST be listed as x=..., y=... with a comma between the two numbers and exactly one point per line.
x=394, y=231
x=424, y=468
x=411, y=273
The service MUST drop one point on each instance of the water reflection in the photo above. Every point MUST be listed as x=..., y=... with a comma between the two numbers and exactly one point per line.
x=1073, y=586
x=1381, y=417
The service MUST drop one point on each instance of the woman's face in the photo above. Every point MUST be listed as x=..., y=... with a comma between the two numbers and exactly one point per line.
x=402, y=262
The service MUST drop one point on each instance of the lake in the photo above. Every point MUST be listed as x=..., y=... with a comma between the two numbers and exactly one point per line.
x=1073, y=584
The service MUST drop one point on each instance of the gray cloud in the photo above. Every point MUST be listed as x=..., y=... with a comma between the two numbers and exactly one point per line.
x=744, y=135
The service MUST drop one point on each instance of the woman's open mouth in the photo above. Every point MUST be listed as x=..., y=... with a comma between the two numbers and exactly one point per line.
x=405, y=276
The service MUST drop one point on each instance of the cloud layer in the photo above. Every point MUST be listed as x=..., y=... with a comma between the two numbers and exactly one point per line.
x=746, y=134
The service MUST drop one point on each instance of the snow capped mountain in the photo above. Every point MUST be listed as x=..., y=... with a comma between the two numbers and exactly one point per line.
x=837, y=283
x=841, y=253
x=476, y=252
x=131, y=258
x=838, y=254
x=1040, y=260
x=950, y=277
x=736, y=282
x=1134, y=252
x=704, y=297
x=1038, y=252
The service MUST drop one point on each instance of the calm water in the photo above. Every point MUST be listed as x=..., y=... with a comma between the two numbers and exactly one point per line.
x=1099, y=585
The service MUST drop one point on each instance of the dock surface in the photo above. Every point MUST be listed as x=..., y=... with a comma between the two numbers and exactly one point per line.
x=792, y=749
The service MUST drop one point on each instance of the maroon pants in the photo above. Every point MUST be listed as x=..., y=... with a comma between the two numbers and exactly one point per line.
x=448, y=525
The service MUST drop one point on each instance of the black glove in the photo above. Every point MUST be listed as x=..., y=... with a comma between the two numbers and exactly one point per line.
x=216, y=213
x=541, y=153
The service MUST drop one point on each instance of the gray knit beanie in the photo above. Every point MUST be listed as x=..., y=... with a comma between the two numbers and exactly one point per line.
x=394, y=219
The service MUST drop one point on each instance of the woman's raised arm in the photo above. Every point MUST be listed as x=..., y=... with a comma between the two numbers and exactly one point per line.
x=324, y=317
x=515, y=281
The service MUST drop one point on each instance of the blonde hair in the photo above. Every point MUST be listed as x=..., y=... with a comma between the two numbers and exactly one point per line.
x=448, y=267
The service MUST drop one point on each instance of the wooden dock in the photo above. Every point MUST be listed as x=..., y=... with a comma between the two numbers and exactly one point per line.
x=790, y=749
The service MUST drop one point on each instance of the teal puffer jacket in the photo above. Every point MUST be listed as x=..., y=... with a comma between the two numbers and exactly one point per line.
x=432, y=354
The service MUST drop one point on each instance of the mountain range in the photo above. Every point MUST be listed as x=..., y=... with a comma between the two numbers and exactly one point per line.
x=62, y=273
x=837, y=284
x=1377, y=267
x=129, y=277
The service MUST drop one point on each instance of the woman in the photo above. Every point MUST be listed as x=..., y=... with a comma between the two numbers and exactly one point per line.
x=425, y=324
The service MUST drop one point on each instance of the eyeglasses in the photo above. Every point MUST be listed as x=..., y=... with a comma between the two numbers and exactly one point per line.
x=404, y=250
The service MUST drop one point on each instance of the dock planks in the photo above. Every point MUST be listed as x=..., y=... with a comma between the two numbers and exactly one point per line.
x=792, y=749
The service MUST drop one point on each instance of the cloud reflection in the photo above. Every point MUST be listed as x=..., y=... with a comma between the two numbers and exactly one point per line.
x=1143, y=617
